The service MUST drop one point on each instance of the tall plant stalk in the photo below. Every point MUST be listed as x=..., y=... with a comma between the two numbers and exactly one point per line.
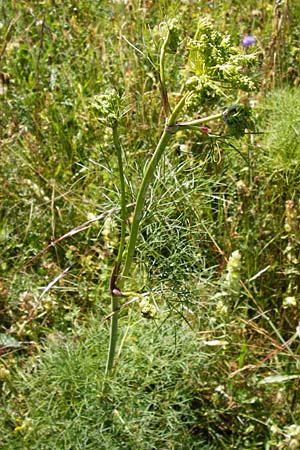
x=115, y=294
x=215, y=63
x=170, y=128
x=137, y=216
x=147, y=178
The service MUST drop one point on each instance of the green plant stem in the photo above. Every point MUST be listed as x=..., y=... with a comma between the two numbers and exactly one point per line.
x=171, y=127
x=162, y=59
x=114, y=299
x=113, y=335
x=180, y=105
x=162, y=77
x=118, y=148
x=195, y=122
x=147, y=178
x=140, y=201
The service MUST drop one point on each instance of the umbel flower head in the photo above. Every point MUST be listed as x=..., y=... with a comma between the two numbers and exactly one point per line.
x=109, y=107
x=216, y=66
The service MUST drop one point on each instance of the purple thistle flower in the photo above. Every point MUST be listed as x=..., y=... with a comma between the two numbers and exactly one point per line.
x=248, y=40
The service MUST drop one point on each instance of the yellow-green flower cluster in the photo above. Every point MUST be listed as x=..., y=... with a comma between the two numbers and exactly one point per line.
x=216, y=65
x=109, y=107
x=148, y=310
x=232, y=278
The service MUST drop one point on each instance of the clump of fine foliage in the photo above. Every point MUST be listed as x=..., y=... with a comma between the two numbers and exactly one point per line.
x=166, y=394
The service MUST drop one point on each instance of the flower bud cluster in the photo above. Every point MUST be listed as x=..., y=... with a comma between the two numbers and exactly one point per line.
x=291, y=252
x=108, y=107
x=216, y=65
x=232, y=278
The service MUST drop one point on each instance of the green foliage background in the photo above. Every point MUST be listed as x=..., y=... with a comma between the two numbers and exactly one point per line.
x=198, y=375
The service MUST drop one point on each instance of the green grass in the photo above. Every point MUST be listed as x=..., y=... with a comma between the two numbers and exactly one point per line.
x=217, y=367
x=281, y=125
x=165, y=394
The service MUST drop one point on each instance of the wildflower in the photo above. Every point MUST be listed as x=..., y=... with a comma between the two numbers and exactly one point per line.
x=221, y=308
x=289, y=301
x=234, y=263
x=232, y=278
x=148, y=310
x=241, y=187
x=248, y=40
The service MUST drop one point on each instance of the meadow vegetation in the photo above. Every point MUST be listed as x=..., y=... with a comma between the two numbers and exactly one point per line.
x=207, y=306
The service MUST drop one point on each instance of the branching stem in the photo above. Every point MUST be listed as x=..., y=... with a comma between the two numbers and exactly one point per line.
x=147, y=178
x=170, y=128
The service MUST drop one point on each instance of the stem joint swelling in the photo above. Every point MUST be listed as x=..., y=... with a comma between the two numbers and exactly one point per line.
x=171, y=129
x=113, y=289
